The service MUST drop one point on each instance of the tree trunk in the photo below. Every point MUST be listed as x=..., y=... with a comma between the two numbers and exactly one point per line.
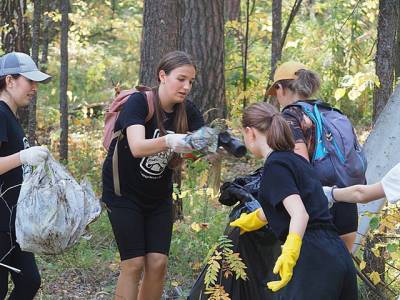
x=48, y=32
x=384, y=59
x=397, y=46
x=202, y=35
x=245, y=51
x=292, y=15
x=64, y=8
x=160, y=35
x=232, y=10
x=276, y=50
x=381, y=149
x=16, y=37
x=35, y=57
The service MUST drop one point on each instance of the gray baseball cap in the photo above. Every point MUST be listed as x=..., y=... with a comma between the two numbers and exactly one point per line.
x=21, y=63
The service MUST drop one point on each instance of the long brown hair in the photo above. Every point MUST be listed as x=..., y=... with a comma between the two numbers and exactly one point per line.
x=266, y=118
x=169, y=62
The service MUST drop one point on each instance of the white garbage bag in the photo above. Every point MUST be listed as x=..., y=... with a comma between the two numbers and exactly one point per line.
x=53, y=210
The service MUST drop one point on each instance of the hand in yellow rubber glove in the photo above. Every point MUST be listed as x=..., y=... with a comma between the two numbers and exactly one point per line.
x=286, y=262
x=249, y=222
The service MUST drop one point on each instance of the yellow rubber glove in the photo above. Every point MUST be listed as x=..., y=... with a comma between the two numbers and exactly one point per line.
x=286, y=262
x=249, y=222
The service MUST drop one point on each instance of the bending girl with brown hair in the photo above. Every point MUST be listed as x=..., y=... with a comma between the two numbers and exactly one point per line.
x=314, y=263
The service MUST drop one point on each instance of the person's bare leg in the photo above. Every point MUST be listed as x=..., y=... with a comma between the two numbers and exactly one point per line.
x=155, y=268
x=129, y=277
x=349, y=239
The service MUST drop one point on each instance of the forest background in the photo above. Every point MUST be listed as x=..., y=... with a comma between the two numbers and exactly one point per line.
x=92, y=46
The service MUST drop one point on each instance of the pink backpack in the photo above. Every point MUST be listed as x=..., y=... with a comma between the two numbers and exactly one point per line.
x=111, y=117
x=113, y=111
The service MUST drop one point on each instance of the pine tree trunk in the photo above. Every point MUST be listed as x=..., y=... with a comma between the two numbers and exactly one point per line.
x=276, y=50
x=160, y=35
x=64, y=8
x=384, y=59
x=202, y=34
x=232, y=10
x=397, y=46
x=35, y=57
x=15, y=38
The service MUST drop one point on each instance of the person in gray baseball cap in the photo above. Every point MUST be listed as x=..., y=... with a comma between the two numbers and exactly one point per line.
x=19, y=77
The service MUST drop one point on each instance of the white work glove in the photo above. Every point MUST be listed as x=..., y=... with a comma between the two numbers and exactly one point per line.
x=34, y=155
x=176, y=142
x=328, y=193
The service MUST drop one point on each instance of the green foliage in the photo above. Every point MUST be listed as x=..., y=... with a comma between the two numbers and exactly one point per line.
x=225, y=262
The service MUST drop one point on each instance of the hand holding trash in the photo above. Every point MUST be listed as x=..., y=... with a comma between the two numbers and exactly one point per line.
x=249, y=222
x=177, y=143
x=34, y=155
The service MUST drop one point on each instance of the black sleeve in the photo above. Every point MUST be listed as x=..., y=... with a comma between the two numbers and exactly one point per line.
x=292, y=115
x=3, y=128
x=278, y=182
x=134, y=111
x=195, y=118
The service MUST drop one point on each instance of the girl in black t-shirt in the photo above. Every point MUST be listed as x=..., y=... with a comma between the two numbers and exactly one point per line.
x=141, y=217
x=19, y=76
x=314, y=263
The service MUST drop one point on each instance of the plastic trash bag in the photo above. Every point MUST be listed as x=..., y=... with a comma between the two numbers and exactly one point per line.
x=53, y=210
x=204, y=140
x=258, y=249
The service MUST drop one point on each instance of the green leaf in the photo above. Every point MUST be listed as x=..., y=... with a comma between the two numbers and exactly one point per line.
x=374, y=223
x=339, y=93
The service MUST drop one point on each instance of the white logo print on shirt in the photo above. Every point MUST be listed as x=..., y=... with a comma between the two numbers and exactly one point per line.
x=153, y=166
x=26, y=169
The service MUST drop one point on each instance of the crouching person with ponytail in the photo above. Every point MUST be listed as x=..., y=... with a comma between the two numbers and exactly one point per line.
x=314, y=263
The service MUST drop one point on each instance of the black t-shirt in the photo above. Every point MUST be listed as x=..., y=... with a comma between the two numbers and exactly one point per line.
x=285, y=174
x=13, y=140
x=146, y=179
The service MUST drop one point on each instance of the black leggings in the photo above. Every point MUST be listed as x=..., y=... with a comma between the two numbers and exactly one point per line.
x=26, y=283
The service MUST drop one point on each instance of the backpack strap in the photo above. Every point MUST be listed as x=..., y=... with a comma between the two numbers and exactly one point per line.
x=119, y=136
x=310, y=108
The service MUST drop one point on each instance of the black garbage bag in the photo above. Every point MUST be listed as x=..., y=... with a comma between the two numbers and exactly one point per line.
x=258, y=249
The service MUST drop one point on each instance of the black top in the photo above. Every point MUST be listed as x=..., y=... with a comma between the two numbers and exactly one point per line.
x=285, y=174
x=12, y=140
x=146, y=179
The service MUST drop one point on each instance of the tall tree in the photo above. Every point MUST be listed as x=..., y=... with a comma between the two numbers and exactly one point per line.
x=35, y=57
x=232, y=10
x=276, y=49
x=15, y=36
x=64, y=9
x=397, y=46
x=160, y=35
x=384, y=58
x=15, y=32
x=202, y=35
x=49, y=31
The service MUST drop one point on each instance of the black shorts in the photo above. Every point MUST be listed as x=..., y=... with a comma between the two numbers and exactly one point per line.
x=345, y=217
x=140, y=229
